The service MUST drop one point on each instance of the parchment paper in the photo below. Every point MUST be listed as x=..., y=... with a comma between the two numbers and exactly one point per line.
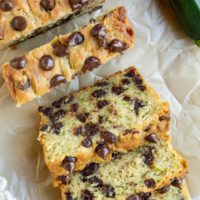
x=164, y=55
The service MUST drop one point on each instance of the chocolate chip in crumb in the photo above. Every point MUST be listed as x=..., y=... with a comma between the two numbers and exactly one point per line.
x=44, y=127
x=46, y=63
x=64, y=179
x=69, y=99
x=75, y=39
x=56, y=80
x=98, y=93
x=87, y=142
x=58, y=103
x=87, y=195
x=132, y=197
x=82, y=117
x=95, y=181
x=163, y=118
x=108, y=137
x=138, y=105
x=116, y=155
x=117, y=90
x=18, y=63
x=125, y=81
x=19, y=23
x=48, y=5
x=57, y=115
x=68, y=163
x=117, y=46
x=46, y=111
x=60, y=49
x=127, y=98
x=77, y=4
x=144, y=196
x=150, y=183
x=102, y=103
x=139, y=82
x=163, y=189
x=57, y=127
x=90, y=169
x=102, y=150
x=100, y=119
x=99, y=31
x=68, y=196
x=130, y=74
x=102, y=84
x=74, y=107
x=78, y=130
x=152, y=138
x=91, y=63
x=148, y=156
x=177, y=183
x=6, y=5
x=108, y=190
x=24, y=85
x=91, y=129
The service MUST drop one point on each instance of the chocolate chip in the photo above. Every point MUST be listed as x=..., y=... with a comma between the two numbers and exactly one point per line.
x=95, y=181
x=46, y=63
x=68, y=163
x=117, y=90
x=150, y=183
x=98, y=93
x=47, y=4
x=163, y=189
x=19, y=23
x=132, y=197
x=57, y=127
x=82, y=117
x=6, y=5
x=103, y=43
x=87, y=195
x=116, y=155
x=87, y=142
x=108, y=190
x=64, y=179
x=139, y=82
x=138, y=104
x=122, y=14
x=69, y=99
x=102, y=84
x=18, y=63
x=125, y=81
x=46, y=111
x=74, y=107
x=91, y=129
x=24, y=85
x=130, y=74
x=56, y=80
x=99, y=31
x=102, y=150
x=117, y=46
x=163, y=118
x=100, y=119
x=127, y=98
x=91, y=63
x=60, y=49
x=108, y=137
x=68, y=196
x=148, y=156
x=58, y=103
x=152, y=138
x=177, y=183
x=57, y=115
x=144, y=196
x=78, y=130
x=44, y=127
x=77, y=4
x=75, y=39
x=102, y=103
x=90, y=169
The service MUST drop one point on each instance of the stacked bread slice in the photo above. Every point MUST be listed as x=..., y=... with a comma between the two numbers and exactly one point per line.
x=111, y=141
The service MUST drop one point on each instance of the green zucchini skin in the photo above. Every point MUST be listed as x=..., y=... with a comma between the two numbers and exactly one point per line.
x=188, y=13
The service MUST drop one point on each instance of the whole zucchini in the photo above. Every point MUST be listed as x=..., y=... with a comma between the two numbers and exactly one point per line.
x=188, y=13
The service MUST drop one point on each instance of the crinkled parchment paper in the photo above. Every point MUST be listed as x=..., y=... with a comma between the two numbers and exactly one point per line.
x=165, y=56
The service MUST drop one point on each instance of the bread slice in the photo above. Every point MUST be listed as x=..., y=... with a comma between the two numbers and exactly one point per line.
x=129, y=175
x=34, y=74
x=118, y=113
x=20, y=20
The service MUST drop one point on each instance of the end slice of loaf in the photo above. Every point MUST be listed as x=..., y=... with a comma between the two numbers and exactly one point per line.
x=118, y=113
x=129, y=176
x=43, y=68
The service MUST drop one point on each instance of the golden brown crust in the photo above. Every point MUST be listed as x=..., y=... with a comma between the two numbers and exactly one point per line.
x=37, y=17
x=70, y=64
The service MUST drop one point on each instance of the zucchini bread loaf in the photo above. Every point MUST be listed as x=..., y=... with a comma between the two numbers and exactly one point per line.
x=20, y=20
x=129, y=176
x=118, y=113
x=65, y=56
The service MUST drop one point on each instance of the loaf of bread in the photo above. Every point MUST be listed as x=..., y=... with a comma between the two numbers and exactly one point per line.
x=140, y=172
x=20, y=20
x=65, y=56
x=118, y=113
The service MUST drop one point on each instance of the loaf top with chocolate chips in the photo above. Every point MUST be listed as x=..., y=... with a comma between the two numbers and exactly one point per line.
x=128, y=176
x=65, y=56
x=21, y=19
x=118, y=113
